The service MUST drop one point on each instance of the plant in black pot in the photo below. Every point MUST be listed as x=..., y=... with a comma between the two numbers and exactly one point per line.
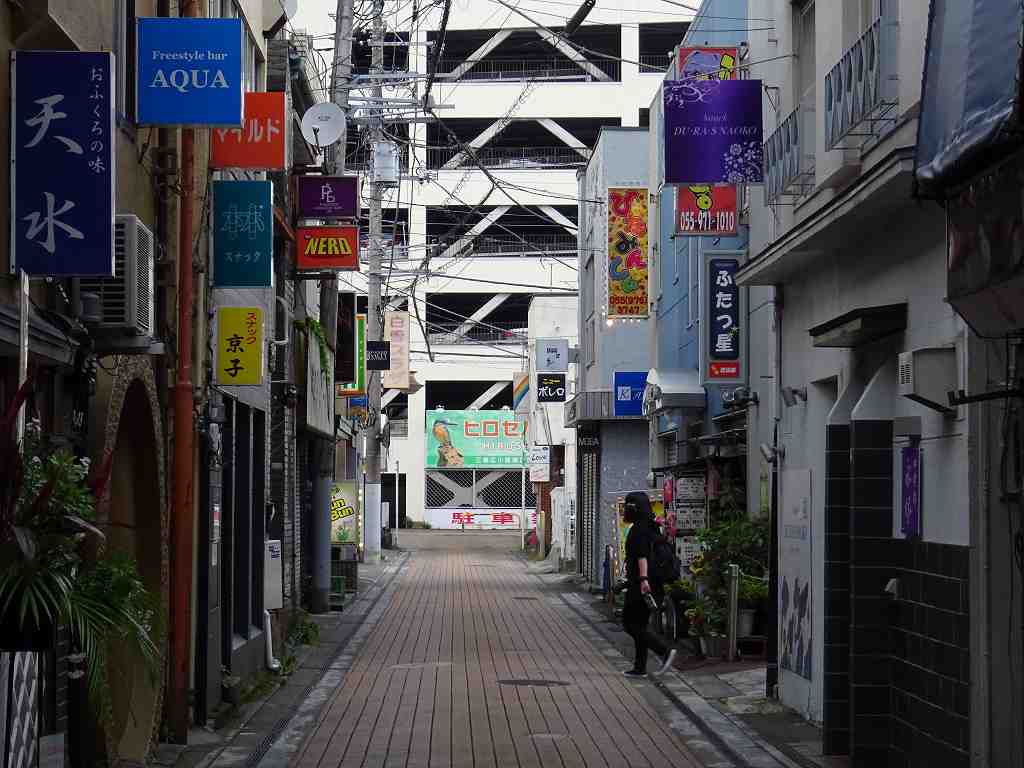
x=54, y=570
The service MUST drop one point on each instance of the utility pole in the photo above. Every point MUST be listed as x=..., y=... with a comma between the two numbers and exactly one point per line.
x=341, y=75
x=372, y=514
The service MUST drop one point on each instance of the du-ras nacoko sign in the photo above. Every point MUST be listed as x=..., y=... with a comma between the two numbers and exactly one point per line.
x=458, y=439
x=189, y=71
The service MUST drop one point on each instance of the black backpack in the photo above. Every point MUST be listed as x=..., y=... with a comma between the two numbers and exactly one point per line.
x=665, y=567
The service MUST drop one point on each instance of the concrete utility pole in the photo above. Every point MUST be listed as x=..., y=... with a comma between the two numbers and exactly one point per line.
x=371, y=514
x=341, y=76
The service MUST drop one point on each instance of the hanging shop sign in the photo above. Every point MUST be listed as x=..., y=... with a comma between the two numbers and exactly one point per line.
x=319, y=388
x=357, y=387
x=260, y=143
x=722, y=343
x=697, y=64
x=378, y=355
x=540, y=463
x=706, y=209
x=328, y=197
x=713, y=132
x=239, y=346
x=457, y=439
x=910, y=517
x=629, y=393
x=553, y=354
x=521, y=393
x=62, y=163
x=396, y=329
x=359, y=411
x=796, y=598
x=189, y=72
x=344, y=513
x=328, y=248
x=627, y=252
x=551, y=388
x=243, y=234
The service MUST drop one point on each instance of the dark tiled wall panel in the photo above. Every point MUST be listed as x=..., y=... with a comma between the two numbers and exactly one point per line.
x=931, y=652
x=836, y=732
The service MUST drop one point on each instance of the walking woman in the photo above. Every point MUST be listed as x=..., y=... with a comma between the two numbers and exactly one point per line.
x=636, y=611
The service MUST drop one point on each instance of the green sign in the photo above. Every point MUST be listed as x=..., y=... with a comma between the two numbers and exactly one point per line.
x=458, y=439
x=344, y=512
x=357, y=387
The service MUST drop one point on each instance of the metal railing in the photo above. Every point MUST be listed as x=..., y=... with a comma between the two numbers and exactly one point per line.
x=509, y=158
x=654, y=62
x=526, y=69
x=789, y=156
x=534, y=245
x=860, y=91
x=493, y=332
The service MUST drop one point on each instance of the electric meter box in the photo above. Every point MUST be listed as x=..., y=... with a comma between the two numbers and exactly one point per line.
x=273, y=580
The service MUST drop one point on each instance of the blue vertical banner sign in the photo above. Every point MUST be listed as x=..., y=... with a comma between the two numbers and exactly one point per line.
x=243, y=234
x=62, y=163
x=723, y=311
x=629, y=393
x=189, y=71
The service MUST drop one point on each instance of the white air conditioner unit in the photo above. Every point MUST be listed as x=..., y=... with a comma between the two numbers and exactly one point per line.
x=126, y=300
x=927, y=376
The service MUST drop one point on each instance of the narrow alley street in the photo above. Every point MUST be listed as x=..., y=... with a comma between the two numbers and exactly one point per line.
x=469, y=665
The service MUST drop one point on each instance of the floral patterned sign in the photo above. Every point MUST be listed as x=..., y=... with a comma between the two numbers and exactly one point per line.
x=713, y=132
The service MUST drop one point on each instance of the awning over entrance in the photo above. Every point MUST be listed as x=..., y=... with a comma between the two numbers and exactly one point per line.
x=45, y=340
x=673, y=388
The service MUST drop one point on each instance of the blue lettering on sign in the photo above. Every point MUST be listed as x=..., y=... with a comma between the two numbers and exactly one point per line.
x=189, y=71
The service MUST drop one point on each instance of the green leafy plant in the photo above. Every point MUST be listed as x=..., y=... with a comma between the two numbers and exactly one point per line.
x=315, y=330
x=707, y=618
x=753, y=590
x=54, y=570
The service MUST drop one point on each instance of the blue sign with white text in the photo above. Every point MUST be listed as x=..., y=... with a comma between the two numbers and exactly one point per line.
x=243, y=233
x=189, y=71
x=62, y=150
x=629, y=392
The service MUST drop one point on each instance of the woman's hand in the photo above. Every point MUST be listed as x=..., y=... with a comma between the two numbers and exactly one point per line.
x=645, y=587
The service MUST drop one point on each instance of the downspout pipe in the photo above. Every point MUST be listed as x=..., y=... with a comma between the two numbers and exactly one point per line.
x=182, y=523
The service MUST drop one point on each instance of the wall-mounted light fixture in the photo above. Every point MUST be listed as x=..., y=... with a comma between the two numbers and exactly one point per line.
x=792, y=395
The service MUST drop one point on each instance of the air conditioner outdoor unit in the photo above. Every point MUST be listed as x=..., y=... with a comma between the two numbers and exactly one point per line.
x=927, y=376
x=126, y=300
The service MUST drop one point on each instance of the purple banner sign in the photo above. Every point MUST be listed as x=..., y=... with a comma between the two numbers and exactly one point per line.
x=910, y=522
x=713, y=132
x=328, y=197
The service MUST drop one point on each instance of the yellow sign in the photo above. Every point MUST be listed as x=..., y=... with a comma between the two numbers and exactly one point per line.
x=344, y=512
x=627, y=252
x=239, y=346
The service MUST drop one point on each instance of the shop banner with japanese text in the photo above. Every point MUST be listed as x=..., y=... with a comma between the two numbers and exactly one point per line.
x=62, y=163
x=457, y=439
x=239, y=346
x=357, y=387
x=396, y=329
x=260, y=143
x=723, y=341
x=627, y=252
x=243, y=233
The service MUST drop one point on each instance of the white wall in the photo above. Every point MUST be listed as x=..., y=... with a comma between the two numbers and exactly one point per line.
x=552, y=317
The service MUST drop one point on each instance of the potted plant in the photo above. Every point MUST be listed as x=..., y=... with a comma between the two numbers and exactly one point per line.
x=231, y=687
x=706, y=617
x=54, y=568
x=753, y=592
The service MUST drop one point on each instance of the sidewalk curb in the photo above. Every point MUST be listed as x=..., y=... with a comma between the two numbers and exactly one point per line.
x=289, y=733
x=734, y=738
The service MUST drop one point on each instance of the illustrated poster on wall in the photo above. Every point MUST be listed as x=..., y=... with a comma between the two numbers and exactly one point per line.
x=795, y=598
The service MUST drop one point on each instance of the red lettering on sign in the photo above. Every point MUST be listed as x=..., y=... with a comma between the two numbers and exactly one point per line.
x=723, y=370
x=501, y=518
x=490, y=428
x=463, y=518
x=471, y=429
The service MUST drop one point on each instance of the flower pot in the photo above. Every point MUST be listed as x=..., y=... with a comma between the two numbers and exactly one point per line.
x=714, y=647
x=745, y=625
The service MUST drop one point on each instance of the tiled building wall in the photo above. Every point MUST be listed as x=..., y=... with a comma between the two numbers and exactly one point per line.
x=931, y=658
x=836, y=731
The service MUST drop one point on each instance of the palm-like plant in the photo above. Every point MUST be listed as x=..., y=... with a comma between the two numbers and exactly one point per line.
x=53, y=567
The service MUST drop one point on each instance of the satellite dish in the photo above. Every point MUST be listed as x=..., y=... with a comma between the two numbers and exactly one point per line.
x=323, y=123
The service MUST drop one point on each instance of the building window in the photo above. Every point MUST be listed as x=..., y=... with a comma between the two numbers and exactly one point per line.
x=803, y=38
x=124, y=59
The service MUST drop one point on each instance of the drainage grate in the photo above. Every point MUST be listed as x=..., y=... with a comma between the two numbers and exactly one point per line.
x=534, y=683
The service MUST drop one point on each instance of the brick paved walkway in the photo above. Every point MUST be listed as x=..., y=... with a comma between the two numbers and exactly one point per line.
x=428, y=686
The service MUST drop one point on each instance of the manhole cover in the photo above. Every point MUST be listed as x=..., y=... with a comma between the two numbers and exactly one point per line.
x=534, y=683
x=524, y=598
